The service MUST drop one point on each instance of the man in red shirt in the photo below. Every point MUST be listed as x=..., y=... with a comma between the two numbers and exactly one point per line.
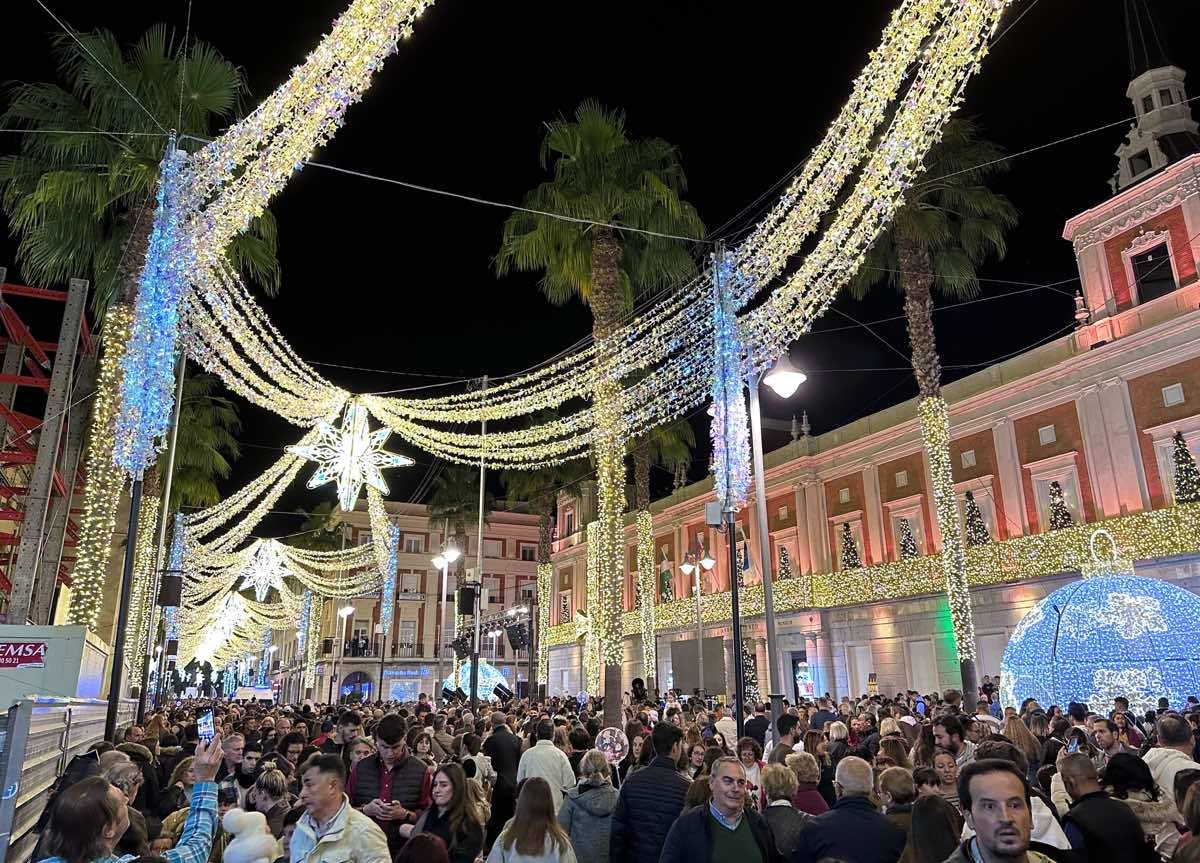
x=393, y=786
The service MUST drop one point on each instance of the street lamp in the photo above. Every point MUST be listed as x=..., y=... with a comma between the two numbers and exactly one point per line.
x=784, y=379
x=334, y=683
x=442, y=560
x=697, y=564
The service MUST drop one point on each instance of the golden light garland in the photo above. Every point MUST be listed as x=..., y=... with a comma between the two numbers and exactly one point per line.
x=610, y=549
x=312, y=642
x=1147, y=535
x=934, y=417
x=104, y=479
x=141, y=595
x=592, y=646
x=647, y=593
x=545, y=581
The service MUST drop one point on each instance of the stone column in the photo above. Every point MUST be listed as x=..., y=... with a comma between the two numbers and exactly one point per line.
x=1122, y=434
x=1096, y=451
x=1097, y=283
x=818, y=533
x=1008, y=473
x=802, y=564
x=874, y=513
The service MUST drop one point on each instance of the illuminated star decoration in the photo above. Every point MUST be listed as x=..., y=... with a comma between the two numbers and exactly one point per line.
x=266, y=569
x=351, y=455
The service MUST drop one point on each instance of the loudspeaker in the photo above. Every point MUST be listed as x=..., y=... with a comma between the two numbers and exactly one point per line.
x=447, y=695
x=170, y=590
x=172, y=647
x=327, y=646
x=460, y=694
x=465, y=603
x=502, y=692
x=518, y=635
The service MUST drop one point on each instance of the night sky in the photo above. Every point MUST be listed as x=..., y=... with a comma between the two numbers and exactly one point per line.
x=391, y=279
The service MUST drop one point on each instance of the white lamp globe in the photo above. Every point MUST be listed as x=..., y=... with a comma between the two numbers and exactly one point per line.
x=784, y=378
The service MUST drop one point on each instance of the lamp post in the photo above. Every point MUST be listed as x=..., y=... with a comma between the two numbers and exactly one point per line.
x=784, y=379
x=442, y=561
x=696, y=564
x=334, y=682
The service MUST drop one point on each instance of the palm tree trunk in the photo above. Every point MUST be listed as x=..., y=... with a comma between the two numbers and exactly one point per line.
x=545, y=511
x=133, y=258
x=641, y=475
x=917, y=278
x=607, y=305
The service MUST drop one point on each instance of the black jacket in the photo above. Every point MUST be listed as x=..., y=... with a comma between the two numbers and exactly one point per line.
x=852, y=830
x=786, y=825
x=650, y=802
x=690, y=838
x=1111, y=833
x=504, y=748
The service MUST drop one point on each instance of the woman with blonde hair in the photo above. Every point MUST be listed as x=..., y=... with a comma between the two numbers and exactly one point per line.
x=587, y=809
x=807, y=797
x=1021, y=737
x=839, y=743
x=178, y=793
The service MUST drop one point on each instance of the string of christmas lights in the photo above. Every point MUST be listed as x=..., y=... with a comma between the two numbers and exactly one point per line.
x=648, y=588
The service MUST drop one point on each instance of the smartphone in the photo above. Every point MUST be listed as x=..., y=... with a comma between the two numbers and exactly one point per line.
x=1073, y=746
x=204, y=722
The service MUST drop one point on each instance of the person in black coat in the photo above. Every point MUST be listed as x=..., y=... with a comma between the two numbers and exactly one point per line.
x=504, y=749
x=853, y=829
x=651, y=801
x=724, y=830
x=786, y=821
x=1106, y=830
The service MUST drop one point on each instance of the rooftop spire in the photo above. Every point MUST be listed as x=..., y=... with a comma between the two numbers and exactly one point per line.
x=1146, y=49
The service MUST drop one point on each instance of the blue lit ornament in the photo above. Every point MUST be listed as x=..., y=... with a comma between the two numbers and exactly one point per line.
x=489, y=678
x=1104, y=636
x=148, y=367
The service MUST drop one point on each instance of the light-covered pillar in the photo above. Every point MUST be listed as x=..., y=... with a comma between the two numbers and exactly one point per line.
x=1008, y=472
x=934, y=528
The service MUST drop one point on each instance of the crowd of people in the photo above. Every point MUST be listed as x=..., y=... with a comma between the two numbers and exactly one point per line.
x=918, y=779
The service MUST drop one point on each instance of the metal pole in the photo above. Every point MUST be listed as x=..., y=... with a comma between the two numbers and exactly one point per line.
x=118, y=657
x=479, y=570
x=699, y=626
x=765, y=552
x=164, y=508
x=532, y=650
x=739, y=672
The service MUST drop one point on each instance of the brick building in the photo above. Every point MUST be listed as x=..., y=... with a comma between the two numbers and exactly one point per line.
x=1093, y=412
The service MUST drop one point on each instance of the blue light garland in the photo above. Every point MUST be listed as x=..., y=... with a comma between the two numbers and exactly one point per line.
x=264, y=662
x=306, y=600
x=729, y=429
x=148, y=367
x=1094, y=639
x=389, y=578
x=175, y=567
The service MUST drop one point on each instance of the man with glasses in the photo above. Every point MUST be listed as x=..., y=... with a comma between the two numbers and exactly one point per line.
x=393, y=786
x=725, y=831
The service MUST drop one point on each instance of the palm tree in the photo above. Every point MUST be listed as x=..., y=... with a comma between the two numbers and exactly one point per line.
x=206, y=443
x=320, y=529
x=947, y=227
x=539, y=489
x=609, y=181
x=666, y=446
x=83, y=205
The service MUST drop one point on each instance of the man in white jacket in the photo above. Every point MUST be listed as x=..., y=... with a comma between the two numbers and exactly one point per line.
x=546, y=760
x=1172, y=754
x=330, y=829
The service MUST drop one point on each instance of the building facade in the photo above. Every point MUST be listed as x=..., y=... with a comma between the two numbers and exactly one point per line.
x=1091, y=415
x=354, y=652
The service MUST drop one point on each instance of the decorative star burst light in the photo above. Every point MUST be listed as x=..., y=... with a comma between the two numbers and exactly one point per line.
x=1104, y=636
x=351, y=456
x=267, y=568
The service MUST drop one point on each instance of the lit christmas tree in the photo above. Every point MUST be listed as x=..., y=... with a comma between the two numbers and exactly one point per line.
x=1187, y=477
x=1060, y=516
x=908, y=542
x=977, y=532
x=785, y=563
x=850, y=558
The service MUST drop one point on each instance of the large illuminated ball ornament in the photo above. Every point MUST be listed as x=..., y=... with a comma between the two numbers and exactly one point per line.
x=613, y=744
x=1098, y=638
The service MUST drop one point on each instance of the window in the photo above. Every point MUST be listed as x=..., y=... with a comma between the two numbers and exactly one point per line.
x=414, y=544
x=1046, y=435
x=406, y=637
x=1139, y=163
x=527, y=595
x=843, y=495
x=1172, y=395
x=569, y=523
x=528, y=552
x=968, y=458
x=491, y=591
x=1166, y=98
x=901, y=478
x=493, y=548
x=783, y=513
x=1152, y=273
x=1147, y=104
x=410, y=584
